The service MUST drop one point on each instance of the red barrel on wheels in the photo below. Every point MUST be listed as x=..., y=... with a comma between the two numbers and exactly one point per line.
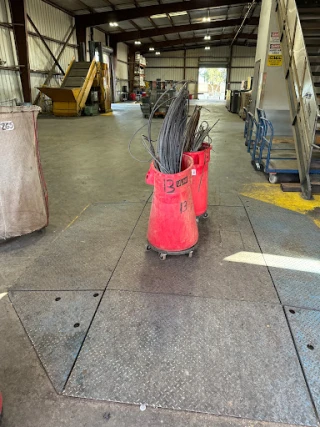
x=172, y=225
x=199, y=174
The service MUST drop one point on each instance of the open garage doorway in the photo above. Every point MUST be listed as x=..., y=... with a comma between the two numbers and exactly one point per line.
x=212, y=83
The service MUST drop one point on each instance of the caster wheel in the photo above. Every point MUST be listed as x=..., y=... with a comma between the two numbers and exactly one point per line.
x=257, y=166
x=148, y=247
x=273, y=178
x=205, y=215
x=163, y=257
x=190, y=254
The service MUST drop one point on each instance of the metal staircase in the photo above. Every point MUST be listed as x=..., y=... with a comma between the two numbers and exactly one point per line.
x=299, y=23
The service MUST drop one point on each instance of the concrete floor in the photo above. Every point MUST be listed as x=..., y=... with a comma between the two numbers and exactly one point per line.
x=85, y=161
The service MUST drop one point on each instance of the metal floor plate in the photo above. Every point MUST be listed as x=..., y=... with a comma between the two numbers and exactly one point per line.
x=297, y=288
x=219, y=198
x=283, y=232
x=286, y=233
x=56, y=323
x=226, y=232
x=204, y=355
x=305, y=326
x=84, y=255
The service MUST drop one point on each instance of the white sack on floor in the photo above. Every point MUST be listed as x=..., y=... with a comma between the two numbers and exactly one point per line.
x=23, y=196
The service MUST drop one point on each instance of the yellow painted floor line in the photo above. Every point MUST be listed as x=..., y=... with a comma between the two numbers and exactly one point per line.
x=273, y=194
x=70, y=223
x=76, y=217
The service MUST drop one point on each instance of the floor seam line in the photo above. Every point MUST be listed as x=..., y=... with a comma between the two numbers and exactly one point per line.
x=287, y=321
x=103, y=293
x=33, y=347
x=261, y=251
x=301, y=365
x=276, y=304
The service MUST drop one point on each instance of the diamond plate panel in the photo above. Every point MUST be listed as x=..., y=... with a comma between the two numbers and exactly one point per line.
x=297, y=288
x=225, y=232
x=217, y=197
x=56, y=323
x=305, y=326
x=203, y=355
x=286, y=233
x=84, y=255
x=283, y=232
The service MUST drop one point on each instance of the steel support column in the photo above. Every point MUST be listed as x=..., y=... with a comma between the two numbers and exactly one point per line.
x=131, y=61
x=113, y=65
x=229, y=67
x=81, y=33
x=18, y=14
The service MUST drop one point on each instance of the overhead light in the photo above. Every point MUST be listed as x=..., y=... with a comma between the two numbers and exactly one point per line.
x=207, y=48
x=137, y=42
x=160, y=15
x=206, y=19
x=151, y=48
x=113, y=24
x=157, y=53
x=164, y=15
x=207, y=37
x=178, y=13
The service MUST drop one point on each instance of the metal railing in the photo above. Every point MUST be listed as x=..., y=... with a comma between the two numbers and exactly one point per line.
x=302, y=97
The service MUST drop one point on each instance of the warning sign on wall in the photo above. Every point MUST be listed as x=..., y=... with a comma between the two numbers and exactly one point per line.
x=274, y=54
x=274, y=60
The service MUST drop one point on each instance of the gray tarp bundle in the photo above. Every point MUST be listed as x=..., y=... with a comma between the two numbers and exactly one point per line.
x=23, y=196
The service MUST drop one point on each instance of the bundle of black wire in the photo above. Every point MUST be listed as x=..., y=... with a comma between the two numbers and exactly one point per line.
x=194, y=136
x=171, y=136
x=176, y=136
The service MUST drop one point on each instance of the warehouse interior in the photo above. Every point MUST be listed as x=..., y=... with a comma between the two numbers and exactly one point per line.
x=126, y=299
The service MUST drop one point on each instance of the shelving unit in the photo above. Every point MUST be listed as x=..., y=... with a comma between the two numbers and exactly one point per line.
x=139, y=72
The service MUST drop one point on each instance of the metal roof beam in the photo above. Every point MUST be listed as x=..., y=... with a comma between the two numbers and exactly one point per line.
x=198, y=46
x=126, y=14
x=135, y=35
x=176, y=42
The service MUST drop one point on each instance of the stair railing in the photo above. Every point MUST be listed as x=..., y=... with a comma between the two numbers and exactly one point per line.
x=302, y=96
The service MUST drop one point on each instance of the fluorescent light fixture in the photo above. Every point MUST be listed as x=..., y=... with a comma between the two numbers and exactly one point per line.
x=113, y=24
x=164, y=15
x=207, y=48
x=207, y=37
x=178, y=13
x=137, y=42
x=151, y=48
x=160, y=15
x=206, y=19
x=157, y=53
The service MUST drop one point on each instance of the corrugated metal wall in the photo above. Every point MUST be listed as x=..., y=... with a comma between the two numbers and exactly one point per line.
x=51, y=22
x=10, y=86
x=243, y=59
x=169, y=65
